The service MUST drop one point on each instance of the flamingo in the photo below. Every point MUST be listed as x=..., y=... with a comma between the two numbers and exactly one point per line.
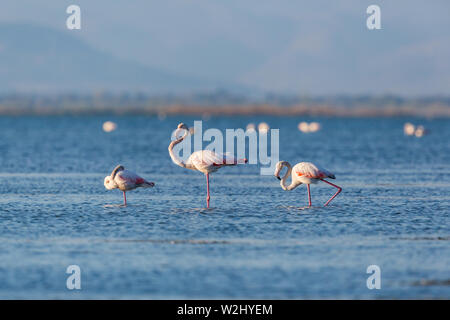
x=125, y=180
x=307, y=173
x=205, y=161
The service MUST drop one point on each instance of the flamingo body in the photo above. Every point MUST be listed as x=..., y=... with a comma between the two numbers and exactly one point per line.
x=309, y=173
x=205, y=161
x=305, y=173
x=125, y=180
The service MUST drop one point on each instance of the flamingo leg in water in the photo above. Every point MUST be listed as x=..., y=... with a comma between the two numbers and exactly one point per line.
x=207, y=188
x=124, y=199
x=337, y=192
x=309, y=195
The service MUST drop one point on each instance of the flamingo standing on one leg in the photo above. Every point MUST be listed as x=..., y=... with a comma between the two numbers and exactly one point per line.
x=125, y=180
x=205, y=161
x=307, y=173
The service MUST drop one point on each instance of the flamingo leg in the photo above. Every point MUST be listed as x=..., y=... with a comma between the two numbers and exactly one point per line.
x=309, y=195
x=124, y=199
x=337, y=192
x=207, y=188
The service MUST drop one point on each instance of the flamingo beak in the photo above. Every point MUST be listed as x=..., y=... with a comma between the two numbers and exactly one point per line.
x=278, y=178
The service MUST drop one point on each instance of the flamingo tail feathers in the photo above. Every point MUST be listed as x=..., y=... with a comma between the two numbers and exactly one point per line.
x=147, y=184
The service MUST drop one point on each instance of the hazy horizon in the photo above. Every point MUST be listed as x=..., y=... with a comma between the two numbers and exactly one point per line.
x=320, y=48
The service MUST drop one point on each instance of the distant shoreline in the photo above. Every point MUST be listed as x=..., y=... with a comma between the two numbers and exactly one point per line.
x=223, y=103
x=433, y=111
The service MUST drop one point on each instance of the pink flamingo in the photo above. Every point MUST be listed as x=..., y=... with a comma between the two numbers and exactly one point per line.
x=125, y=180
x=205, y=161
x=307, y=173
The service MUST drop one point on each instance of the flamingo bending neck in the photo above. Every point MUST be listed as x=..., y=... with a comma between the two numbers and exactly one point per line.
x=285, y=177
x=174, y=157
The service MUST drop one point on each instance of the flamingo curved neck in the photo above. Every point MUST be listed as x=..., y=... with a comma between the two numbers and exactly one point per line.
x=174, y=157
x=285, y=177
x=116, y=170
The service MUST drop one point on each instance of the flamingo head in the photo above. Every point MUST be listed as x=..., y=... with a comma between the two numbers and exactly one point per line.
x=182, y=126
x=109, y=183
x=183, y=129
x=278, y=168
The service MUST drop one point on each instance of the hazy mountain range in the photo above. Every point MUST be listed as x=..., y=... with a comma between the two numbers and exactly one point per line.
x=40, y=59
x=295, y=47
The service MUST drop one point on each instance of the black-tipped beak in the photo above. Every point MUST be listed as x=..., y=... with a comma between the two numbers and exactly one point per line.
x=278, y=178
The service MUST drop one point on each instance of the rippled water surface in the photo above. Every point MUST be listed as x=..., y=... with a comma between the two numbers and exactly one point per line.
x=256, y=240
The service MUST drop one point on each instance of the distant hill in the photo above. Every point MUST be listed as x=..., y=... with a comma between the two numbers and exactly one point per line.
x=40, y=59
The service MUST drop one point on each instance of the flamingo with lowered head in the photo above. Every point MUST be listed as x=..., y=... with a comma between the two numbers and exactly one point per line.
x=306, y=173
x=125, y=180
x=205, y=161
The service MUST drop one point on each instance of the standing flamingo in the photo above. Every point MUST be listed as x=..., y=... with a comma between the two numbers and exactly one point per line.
x=307, y=173
x=205, y=161
x=125, y=180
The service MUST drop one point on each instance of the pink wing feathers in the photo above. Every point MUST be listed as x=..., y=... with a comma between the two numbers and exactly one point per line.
x=206, y=158
x=129, y=180
x=227, y=159
x=309, y=170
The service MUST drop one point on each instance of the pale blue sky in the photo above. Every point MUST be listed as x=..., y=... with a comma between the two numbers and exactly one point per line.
x=304, y=47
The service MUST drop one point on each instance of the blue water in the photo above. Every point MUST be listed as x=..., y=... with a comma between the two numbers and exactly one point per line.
x=255, y=241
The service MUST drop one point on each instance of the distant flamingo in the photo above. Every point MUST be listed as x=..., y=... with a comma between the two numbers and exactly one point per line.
x=125, y=180
x=205, y=161
x=307, y=173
